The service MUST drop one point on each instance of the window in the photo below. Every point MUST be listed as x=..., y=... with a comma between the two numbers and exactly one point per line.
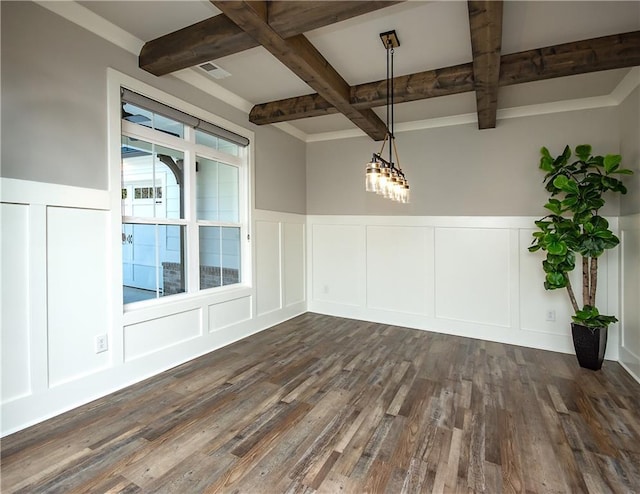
x=183, y=182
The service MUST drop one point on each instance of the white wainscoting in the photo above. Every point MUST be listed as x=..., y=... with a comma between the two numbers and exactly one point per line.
x=468, y=276
x=60, y=277
x=163, y=332
x=78, y=307
x=228, y=313
x=630, y=282
x=407, y=286
x=472, y=275
x=280, y=258
x=15, y=355
x=268, y=280
x=293, y=261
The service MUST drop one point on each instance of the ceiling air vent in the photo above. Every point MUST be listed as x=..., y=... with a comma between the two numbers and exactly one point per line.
x=213, y=70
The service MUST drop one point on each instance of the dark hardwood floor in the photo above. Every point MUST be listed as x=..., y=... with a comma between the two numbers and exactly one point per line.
x=323, y=404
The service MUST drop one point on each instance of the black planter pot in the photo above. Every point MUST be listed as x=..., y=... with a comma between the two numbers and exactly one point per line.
x=590, y=344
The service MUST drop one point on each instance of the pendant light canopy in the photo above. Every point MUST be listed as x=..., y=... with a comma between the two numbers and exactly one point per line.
x=384, y=176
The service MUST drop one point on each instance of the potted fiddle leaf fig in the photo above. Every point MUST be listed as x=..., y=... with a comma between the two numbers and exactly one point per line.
x=574, y=229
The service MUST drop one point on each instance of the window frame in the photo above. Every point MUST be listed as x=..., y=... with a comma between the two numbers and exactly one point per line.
x=244, y=162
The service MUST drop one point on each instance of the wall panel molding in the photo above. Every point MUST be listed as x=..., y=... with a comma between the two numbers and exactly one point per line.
x=473, y=275
x=630, y=294
x=40, y=193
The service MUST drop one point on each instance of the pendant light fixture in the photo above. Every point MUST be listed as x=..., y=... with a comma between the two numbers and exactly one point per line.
x=384, y=176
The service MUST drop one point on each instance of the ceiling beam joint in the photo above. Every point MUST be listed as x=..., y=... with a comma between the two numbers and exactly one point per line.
x=304, y=60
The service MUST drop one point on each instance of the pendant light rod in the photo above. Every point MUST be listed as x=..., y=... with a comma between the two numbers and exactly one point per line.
x=390, y=96
x=383, y=176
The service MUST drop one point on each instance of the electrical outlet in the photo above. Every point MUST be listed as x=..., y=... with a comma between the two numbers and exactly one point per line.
x=551, y=315
x=101, y=343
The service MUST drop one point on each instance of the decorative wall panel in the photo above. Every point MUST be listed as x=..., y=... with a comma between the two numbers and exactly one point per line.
x=229, y=312
x=268, y=280
x=156, y=334
x=630, y=282
x=15, y=358
x=472, y=275
x=77, y=291
x=338, y=263
x=399, y=271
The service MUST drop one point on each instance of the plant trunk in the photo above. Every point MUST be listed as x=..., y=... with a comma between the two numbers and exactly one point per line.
x=585, y=281
x=572, y=296
x=594, y=281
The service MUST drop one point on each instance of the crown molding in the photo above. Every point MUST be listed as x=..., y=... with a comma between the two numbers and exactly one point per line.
x=626, y=85
x=83, y=17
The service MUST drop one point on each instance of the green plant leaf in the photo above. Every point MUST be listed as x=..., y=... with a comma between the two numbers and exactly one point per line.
x=624, y=171
x=590, y=316
x=558, y=248
x=604, y=234
x=546, y=163
x=560, y=182
x=611, y=162
x=563, y=183
x=599, y=222
x=570, y=201
x=583, y=151
x=554, y=205
x=591, y=247
x=556, y=280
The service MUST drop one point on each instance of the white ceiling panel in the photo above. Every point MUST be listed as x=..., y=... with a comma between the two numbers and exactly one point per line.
x=326, y=123
x=150, y=19
x=431, y=34
x=258, y=77
x=566, y=88
x=528, y=24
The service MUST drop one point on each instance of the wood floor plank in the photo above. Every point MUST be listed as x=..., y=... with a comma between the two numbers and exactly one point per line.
x=326, y=404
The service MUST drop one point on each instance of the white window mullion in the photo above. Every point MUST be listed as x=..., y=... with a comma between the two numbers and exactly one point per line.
x=192, y=247
x=244, y=208
x=157, y=260
x=154, y=157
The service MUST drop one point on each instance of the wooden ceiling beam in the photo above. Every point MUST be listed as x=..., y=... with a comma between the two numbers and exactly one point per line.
x=218, y=36
x=289, y=18
x=617, y=51
x=413, y=87
x=485, y=23
x=303, y=59
x=580, y=57
x=209, y=39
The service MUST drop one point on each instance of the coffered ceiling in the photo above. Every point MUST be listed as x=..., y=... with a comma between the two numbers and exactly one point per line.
x=455, y=57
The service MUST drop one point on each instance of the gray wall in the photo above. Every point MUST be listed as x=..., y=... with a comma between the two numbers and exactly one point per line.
x=458, y=171
x=280, y=172
x=630, y=150
x=54, y=111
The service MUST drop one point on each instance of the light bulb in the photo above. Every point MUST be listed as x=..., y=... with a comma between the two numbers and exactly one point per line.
x=372, y=177
x=384, y=178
